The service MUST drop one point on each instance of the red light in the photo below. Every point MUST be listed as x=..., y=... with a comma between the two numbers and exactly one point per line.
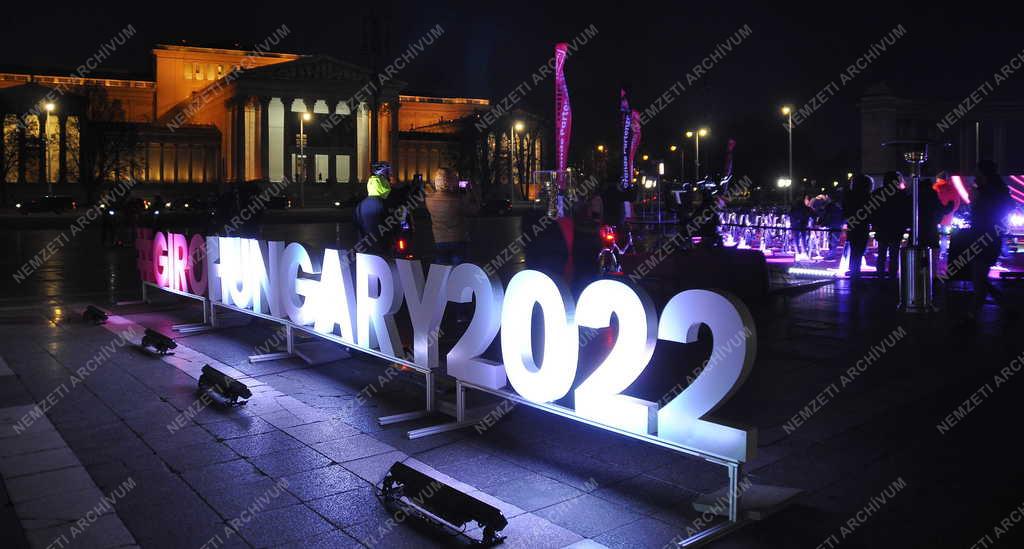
x=401, y=244
x=607, y=233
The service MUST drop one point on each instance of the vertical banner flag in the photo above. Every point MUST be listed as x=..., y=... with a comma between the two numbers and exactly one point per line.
x=629, y=119
x=563, y=114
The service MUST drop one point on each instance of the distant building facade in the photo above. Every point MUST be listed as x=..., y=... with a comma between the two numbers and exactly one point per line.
x=989, y=129
x=220, y=116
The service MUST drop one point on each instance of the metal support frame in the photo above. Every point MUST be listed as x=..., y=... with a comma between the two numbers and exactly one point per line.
x=189, y=328
x=429, y=375
x=735, y=520
x=288, y=352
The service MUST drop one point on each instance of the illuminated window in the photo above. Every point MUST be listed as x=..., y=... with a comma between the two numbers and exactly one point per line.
x=11, y=148
x=220, y=71
x=210, y=71
x=188, y=71
x=251, y=143
x=321, y=168
x=198, y=70
x=52, y=148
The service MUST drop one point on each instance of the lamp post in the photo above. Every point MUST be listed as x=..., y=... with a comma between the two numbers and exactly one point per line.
x=48, y=107
x=787, y=111
x=696, y=135
x=302, y=157
x=682, y=161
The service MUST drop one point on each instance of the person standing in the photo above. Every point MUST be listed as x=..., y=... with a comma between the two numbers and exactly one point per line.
x=799, y=216
x=448, y=205
x=857, y=228
x=370, y=212
x=989, y=207
x=890, y=222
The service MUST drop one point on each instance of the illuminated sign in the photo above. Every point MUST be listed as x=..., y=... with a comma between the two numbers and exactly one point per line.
x=356, y=302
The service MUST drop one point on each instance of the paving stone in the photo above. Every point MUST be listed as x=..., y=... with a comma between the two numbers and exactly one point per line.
x=534, y=532
x=196, y=456
x=36, y=462
x=372, y=469
x=240, y=426
x=450, y=454
x=321, y=431
x=106, y=531
x=319, y=483
x=287, y=462
x=533, y=492
x=262, y=494
x=28, y=443
x=485, y=472
x=645, y=495
x=48, y=483
x=222, y=475
x=640, y=534
x=334, y=539
x=354, y=447
x=587, y=515
x=348, y=508
x=265, y=443
x=61, y=508
x=278, y=526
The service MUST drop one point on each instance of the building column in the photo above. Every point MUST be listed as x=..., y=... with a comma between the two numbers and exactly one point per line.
x=309, y=166
x=999, y=144
x=43, y=176
x=332, y=159
x=393, y=107
x=238, y=137
x=374, y=132
x=362, y=142
x=161, y=171
x=21, y=151
x=63, y=150
x=288, y=138
x=265, y=138
x=191, y=179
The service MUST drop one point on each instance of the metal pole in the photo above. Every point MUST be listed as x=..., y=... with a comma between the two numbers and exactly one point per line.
x=302, y=161
x=696, y=161
x=46, y=148
x=789, y=190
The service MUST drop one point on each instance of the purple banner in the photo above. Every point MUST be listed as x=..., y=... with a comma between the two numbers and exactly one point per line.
x=563, y=114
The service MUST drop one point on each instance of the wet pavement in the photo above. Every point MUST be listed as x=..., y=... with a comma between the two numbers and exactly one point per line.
x=882, y=454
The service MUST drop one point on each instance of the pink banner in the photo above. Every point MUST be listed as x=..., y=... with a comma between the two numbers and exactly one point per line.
x=563, y=113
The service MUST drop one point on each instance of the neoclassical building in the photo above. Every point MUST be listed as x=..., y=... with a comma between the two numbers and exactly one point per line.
x=214, y=115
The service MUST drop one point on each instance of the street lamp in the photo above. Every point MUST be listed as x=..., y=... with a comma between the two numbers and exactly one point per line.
x=48, y=107
x=520, y=126
x=306, y=117
x=696, y=135
x=787, y=111
x=600, y=148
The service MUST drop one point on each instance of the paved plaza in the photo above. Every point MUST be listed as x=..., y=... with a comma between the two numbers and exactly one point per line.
x=124, y=453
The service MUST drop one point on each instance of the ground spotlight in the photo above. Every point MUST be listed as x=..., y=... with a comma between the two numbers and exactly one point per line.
x=159, y=342
x=434, y=501
x=224, y=385
x=94, y=314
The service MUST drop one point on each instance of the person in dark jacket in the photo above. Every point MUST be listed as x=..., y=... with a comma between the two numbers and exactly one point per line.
x=989, y=207
x=799, y=216
x=370, y=212
x=890, y=221
x=857, y=226
x=931, y=211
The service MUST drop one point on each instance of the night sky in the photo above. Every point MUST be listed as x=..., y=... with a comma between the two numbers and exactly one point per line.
x=485, y=52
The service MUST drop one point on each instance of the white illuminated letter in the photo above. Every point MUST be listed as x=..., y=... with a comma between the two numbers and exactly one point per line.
x=233, y=285
x=537, y=382
x=377, y=301
x=598, y=397
x=426, y=303
x=469, y=281
x=297, y=294
x=336, y=296
x=213, y=269
x=257, y=278
x=732, y=332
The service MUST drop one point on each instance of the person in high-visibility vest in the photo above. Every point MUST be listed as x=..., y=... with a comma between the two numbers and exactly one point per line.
x=370, y=212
